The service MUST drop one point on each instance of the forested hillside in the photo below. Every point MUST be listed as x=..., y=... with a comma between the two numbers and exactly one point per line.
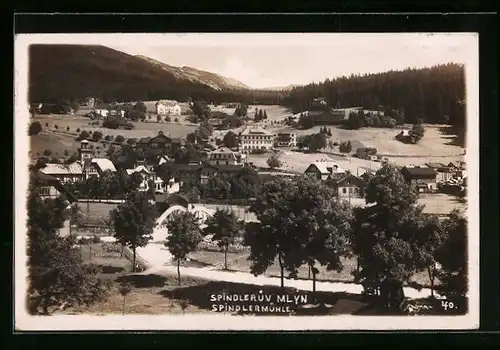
x=73, y=72
x=429, y=93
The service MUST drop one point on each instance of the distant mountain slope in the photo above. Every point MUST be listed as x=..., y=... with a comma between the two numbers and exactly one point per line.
x=78, y=71
x=194, y=75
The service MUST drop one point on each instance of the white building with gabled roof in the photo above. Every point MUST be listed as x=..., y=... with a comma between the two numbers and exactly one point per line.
x=255, y=138
x=168, y=107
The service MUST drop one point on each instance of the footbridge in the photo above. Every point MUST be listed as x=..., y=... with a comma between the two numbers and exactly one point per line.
x=200, y=212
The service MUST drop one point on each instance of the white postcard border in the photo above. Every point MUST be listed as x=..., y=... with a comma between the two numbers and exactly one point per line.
x=26, y=322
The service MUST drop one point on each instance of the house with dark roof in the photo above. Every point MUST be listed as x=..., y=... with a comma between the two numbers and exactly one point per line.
x=159, y=145
x=193, y=174
x=346, y=185
x=422, y=178
x=323, y=169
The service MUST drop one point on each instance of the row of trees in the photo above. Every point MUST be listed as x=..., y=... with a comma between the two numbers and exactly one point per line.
x=314, y=142
x=391, y=237
x=110, y=185
x=241, y=186
x=260, y=115
x=361, y=119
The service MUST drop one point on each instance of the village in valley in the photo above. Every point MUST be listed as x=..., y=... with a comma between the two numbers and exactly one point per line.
x=199, y=193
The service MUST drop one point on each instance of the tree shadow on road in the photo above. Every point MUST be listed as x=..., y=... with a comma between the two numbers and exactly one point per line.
x=143, y=281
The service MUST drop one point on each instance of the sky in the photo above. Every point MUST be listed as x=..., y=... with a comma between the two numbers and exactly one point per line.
x=305, y=59
x=263, y=60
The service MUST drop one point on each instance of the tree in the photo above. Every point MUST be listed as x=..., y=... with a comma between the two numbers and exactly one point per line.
x=356, y=120
x=273, y=161
x=75, y=106
x=417, y=132
x=184, y=235
x=124, y=289
x=345, y=147
x=84, y=135
x=158, y=118
x=56, y=272
x=111, y=123
x=452, y=256
x=300, y=223
x=119, y=138
x=96, y=136
x=317, y=142
x=241, y=110
x=200, y=109
x=131, y=141
x=390, y=235
x=225, y=228
x=230, y=140
x=133, y=222
x=265, y=115
x=217, y=187
x=306, y=122
x=35, y=128
x=47, y=152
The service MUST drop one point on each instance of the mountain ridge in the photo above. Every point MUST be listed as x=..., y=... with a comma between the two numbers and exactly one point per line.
x=213, y=80
x=77, y=71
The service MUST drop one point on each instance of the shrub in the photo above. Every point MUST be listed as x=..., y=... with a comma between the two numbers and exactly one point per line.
x=119, y=138
x=83, y=135
x=34, y=128
x=108, y=138
x=47, y=152
x=176, y=120
x=97, y=136
x=56, y=126
x=167, y=119
x=131, y=141
x=110, y=247
x=110, y=123
x=258, y=151
x=78, y=130
x=47, y=124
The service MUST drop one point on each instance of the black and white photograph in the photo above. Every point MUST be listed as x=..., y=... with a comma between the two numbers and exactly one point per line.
x=246, y=181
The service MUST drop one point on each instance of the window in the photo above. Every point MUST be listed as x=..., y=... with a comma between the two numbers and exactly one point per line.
x=44, y=191
x=344, y=190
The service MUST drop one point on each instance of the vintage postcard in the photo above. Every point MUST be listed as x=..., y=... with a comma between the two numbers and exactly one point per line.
x=246, y=181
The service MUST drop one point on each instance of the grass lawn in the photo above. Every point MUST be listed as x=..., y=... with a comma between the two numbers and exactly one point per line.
x=96, y=209
x=110, y=262
x=56, y=143
x=142, y=129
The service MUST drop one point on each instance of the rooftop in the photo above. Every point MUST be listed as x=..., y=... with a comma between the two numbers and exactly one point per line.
x=255, y=131
x=103, y=164
x=170, y=103
x=328, y=167
x=62, y=169
x=420, y=171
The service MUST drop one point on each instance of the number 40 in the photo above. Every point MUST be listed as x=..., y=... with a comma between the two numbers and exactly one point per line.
x=447, y=305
